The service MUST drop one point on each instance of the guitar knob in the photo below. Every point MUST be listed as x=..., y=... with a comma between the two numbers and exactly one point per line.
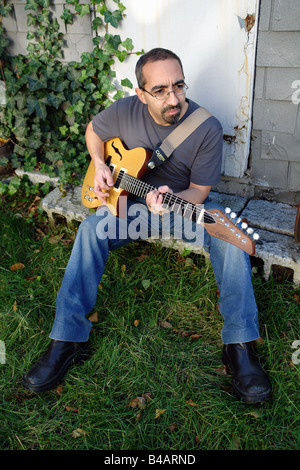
x=250, y=231
x=233, y=215
x=244, y=225
x=255, y=236
x=227, y=210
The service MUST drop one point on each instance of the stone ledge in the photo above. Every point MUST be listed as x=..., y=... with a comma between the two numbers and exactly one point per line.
x=274, y=222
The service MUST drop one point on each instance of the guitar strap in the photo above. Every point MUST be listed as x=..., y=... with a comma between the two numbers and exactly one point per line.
x=164, y=150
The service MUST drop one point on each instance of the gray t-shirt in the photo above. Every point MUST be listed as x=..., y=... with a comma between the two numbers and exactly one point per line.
x=198, y=159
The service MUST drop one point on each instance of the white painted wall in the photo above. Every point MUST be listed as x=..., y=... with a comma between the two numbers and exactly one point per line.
x=218, y=55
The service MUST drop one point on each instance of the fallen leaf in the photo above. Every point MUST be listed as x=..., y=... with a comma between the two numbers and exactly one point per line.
x=166, y=324
x=159, y=412
x=78, y=433
x=195, y=336
x=71, y=408
x=136, y=322
x=146, y=283
x=15, y=306
x=173, y=426
x=55, y=238
x=94, y=318
x=221, y=370
x=191, y=403
x=17, y=266
x=141, y=257
x=254, y=414
x=59, y=389
x=138, y=402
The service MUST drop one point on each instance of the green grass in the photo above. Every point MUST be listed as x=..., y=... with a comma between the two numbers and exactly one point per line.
x=151, y=302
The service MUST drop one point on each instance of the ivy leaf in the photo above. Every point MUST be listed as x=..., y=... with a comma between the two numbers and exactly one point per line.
x=127, y=44
x=82, y=9
x=97, y=22
x=121, y=55
x=55, y=99
x=36, y=83
x=31, y=5
x=113, y=17
x=67, y=16
x=75, y=128
x=37, y=106
x=126, y=82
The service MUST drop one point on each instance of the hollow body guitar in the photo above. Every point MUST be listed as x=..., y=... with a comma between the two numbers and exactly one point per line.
x=128, y=167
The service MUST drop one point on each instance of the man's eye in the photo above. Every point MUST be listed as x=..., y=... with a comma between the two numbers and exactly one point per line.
x=179, y=87
x=160, y=92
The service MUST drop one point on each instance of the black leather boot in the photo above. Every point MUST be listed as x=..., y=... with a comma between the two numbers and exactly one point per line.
x=250, y=383
x=51, y=368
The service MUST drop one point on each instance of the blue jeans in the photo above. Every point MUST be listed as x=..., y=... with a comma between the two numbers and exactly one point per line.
x=102, y=232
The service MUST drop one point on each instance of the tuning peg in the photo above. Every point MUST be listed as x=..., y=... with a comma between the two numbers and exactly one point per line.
x=250, y=231
x=255, y=236
x=238, y=221
x=244, y=225
x=233, y=215
x=227, y=210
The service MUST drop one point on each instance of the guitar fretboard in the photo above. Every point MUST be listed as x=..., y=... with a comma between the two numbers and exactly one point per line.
x=174, y=203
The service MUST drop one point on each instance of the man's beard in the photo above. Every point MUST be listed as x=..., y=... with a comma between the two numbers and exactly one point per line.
x=171, y=119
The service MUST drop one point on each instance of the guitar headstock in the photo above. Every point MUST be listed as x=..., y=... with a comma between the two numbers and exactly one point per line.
x=233, y=229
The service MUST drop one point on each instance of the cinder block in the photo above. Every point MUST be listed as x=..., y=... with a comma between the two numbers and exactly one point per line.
x=279, y=83
x=286, y=15
x=280, y=146
x=274, y=116
x=294, y=176
x=76, y=44
x=271, y=174
x=265, y=15
x=278, y=49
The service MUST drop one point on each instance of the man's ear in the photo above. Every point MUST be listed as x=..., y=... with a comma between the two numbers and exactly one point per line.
x=140, y=95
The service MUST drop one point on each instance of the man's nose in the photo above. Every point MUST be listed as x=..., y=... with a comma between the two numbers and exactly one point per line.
x=172, y=99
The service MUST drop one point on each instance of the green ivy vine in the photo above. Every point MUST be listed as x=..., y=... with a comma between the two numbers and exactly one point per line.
x=50, y=102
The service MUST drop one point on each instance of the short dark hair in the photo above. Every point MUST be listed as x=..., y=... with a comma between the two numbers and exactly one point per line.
x=153, y=56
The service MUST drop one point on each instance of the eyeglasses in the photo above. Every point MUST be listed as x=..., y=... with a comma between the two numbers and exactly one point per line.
x=163, y=94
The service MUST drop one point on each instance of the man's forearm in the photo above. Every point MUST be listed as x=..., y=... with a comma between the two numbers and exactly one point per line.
x=95, y=145
x=194, y=195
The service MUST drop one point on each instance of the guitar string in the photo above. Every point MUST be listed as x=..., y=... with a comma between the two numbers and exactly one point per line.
x=140, y=188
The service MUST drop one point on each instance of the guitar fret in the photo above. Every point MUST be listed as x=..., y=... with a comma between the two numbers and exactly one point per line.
x=174, y=204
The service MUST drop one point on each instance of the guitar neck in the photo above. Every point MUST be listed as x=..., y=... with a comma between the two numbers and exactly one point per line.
x=170, y=201
x=215, y=222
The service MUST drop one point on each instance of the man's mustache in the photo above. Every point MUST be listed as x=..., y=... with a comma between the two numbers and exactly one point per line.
x=170, y=108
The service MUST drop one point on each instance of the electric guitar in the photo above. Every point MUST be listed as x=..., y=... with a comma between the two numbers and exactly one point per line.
x=128, y=166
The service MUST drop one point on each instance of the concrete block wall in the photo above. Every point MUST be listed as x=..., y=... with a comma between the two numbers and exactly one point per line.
x=275, y=151
x=78, y=36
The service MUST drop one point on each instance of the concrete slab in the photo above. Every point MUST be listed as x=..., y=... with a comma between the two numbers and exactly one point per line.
x=67, y=205
x=235, y=203
x=272, y=216
x=276, y=249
